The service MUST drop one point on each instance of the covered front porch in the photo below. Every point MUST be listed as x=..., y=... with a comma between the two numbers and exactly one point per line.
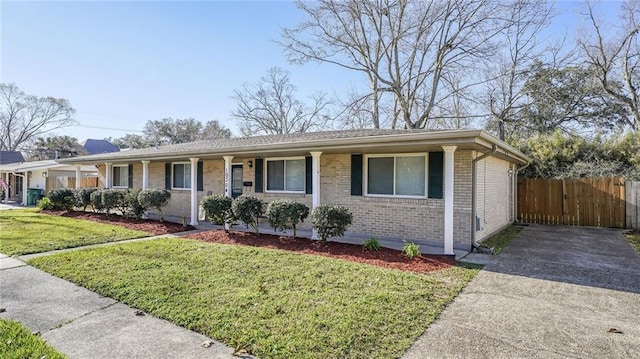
x=321, y=180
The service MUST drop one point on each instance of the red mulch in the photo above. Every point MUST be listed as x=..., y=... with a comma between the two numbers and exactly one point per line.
x=145, y=225
x=385, y=257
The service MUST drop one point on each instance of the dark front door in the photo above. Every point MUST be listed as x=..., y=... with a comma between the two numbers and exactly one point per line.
x=236, y=180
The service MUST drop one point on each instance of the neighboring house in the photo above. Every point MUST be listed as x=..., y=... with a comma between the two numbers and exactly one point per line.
x=10, y=185
x=433, y=187
x=46, y=175
x=93, y=147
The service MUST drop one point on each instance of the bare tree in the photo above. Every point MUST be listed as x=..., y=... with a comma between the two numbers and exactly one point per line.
x=270, y=107
x=616, y=61
x=403, y=47
x=23, y=117
x=509, y=71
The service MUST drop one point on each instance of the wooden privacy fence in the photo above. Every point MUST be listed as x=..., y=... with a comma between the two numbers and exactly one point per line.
x=633, y=204
x=70, y=182
x=598, y=202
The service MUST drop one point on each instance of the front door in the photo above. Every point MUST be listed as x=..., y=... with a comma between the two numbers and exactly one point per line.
x=236, y=180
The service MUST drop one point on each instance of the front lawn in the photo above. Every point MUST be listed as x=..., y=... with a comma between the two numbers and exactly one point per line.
x=272, y=303
x=17, y=342
x=27, y=231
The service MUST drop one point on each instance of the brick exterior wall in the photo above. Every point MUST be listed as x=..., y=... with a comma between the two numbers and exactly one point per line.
x=419, y=220
x=493, y=196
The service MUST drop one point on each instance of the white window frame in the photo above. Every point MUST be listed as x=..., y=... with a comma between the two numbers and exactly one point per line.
x=285, y=159
x=396, y=155
x=113, y=177
x=172, y=177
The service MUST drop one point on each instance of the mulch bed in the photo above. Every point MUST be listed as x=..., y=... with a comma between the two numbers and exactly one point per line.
x=385, y=257
x=146, y=225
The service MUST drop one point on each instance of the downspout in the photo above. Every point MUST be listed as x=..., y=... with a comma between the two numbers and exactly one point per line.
x=474, y=162
x=515, y=191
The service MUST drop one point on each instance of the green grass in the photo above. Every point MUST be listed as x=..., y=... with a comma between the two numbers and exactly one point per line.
x=634, y=239
x=273, y=303
x=26, y=231
x=17, y=342
x=502, y=239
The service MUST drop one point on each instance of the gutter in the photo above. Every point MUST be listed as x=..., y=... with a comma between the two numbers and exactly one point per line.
x=474, y=162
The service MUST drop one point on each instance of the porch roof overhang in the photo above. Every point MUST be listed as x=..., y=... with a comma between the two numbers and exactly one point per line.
x=43, y=166
x=354, y=141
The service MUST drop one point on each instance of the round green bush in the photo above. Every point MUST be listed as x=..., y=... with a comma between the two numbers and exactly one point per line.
x=62, y=198
x=331, y=221
x=248, y=209
x=83, y=197
x=284, y=214
x=217, y=209
x=154, y=198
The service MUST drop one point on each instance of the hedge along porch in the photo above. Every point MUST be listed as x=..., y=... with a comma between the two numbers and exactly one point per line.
x=406, y=184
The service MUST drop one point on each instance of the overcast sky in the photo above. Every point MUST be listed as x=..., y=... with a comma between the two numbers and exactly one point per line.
x=121, y=64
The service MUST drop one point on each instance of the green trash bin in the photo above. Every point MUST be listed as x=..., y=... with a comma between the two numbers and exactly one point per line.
x=33, y=195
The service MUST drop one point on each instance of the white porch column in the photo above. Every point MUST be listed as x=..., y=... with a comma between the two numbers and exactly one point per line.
x=448, y=198
x=227, y=179
x=145, y=174
x=194, y=191
x=315, y=187
x=78, y=175
x=25, y=186
x=107, y=175
x=5, y=192
x=227, y=175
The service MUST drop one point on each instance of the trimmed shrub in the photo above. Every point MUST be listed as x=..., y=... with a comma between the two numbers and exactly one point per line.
x=411, y=250
x=45, y=203
x=62, y=198
x=96, y=200
x=154, y=198
x=284, y=214
x=248, y=209
x=331, y=221
x=133, y=204
x=113, y=198
x=83, y=197
x=217, y=209
x=372, y=244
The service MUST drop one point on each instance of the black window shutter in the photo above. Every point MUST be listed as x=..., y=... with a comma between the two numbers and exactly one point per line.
x=356, y=175
x=167, y=176
x=436, y=174
x=200, y=176
x=308, y=164
x=259, y=164
x=130, y=179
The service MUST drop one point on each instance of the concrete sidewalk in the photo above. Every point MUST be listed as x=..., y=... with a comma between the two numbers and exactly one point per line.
x=83, y=324
x=555, y=292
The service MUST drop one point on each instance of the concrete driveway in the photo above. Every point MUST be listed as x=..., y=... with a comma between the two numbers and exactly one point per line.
x=555, y=292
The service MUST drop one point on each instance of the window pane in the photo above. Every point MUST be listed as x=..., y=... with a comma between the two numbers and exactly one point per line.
x=295, y=175
x=187, y=176
x=178, y=176
x=275, y=175
x=380, y=175
x=410, y=174
x=116, y=176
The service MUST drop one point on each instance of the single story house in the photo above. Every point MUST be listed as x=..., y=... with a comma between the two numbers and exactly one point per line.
x=45, y=175
x=9, y=182
x=436, y=187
